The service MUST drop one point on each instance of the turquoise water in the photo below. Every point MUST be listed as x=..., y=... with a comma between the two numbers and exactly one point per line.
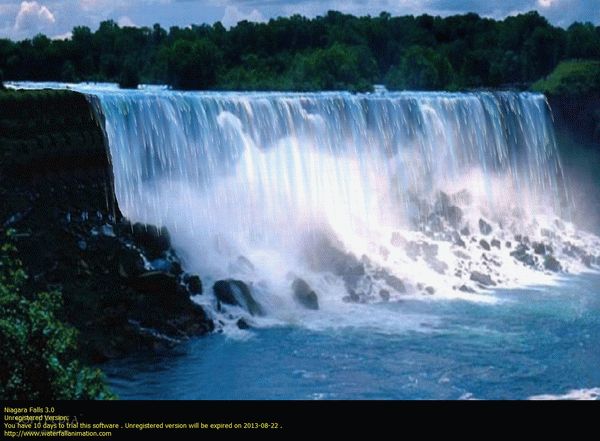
x=532, y=342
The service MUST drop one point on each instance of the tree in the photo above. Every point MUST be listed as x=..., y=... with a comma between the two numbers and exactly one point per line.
x=421, y=69
x=37, y=350
x=193, y=65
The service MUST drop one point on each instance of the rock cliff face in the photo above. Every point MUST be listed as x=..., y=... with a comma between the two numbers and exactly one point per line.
x=123, y=285
x=580, y=116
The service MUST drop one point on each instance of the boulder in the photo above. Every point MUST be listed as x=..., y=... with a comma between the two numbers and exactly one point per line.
x=539, y=248
x=484, y=245
x=156, y=282
x=131, y=263
x=242, y=324
x=194, y=285
x=484, y=227
x=496, y=243
x=154, y=240
x=483, y=279
x=304, y=295
x=522, y=255
x=236, y=292
x=465, y=288
x=384, y=294
x=551, y=264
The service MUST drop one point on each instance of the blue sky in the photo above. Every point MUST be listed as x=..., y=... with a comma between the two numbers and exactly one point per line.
x=20, y=19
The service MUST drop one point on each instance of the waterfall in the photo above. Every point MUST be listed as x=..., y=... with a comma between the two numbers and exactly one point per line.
x=364, y=197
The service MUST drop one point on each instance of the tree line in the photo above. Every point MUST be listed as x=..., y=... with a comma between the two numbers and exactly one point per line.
x=332, y=52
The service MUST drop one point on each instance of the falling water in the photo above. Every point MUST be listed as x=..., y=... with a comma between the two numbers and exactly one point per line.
x=367, y=197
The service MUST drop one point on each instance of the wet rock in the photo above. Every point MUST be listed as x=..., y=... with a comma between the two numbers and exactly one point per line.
x=462, y=255
x=392, y=281
x=156, y=282
x=551, y=264
x=465, y=288
x=429, y=250
x=451, y=213
x=496, y=243
x=131, y=263
x=323, y=255
x=430, y=290
x=457, y=240
x=384, y=294
x=194, y=285
x=484, y=245
x=242, y=324
x=484, y=227
x=465, y=231
x=352, y=297
x=154, y=240
x=539, y=248
x=483, y=279
x=304, y=295
x=236, y=292
x=82, y=244
x=437, y=265
x=522, y=255
x=508, y=244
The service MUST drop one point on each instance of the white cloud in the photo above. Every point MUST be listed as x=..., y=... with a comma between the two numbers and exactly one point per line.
x=233, y=15
x=125, y=21
x=33, y=17
x=65, y=36
x=546, y=3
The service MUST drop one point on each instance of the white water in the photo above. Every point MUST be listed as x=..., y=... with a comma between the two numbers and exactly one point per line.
x=265, y=187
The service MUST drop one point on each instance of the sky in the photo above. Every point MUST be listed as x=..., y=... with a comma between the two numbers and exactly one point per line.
x=55, y=18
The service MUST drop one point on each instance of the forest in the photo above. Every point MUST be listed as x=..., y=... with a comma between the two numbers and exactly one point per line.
x=331, y=52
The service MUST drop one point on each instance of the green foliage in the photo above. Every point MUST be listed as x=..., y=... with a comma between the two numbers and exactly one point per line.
x=338, y=67
x=37, y=350
x=192, y=64
x=334, y=51
x=130, y=78
x=572, y=78
x=420, y=69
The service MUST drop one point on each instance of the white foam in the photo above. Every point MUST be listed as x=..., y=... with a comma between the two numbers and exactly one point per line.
x=589, y=394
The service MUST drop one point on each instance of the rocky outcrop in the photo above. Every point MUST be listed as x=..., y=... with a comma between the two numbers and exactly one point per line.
x=123, y=285
x=579, y=116
x=304, y=295
x=237, y=293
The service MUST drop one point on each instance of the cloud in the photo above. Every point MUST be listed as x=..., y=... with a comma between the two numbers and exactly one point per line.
x=233, y=15
x=33, y=17
x=125, y=21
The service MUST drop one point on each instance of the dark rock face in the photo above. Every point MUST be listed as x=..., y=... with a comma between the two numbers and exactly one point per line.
x=484, y=227
x=465, y=288
x=482, y=279
x=551, y=264
x=236, y=292
x=484, y=244
x=384, y=294
x=56, y=190
x=522, y=255
x=153, y=240
x=304, y=295
x=323, y=255
x=496, y=243
x=194, y=284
